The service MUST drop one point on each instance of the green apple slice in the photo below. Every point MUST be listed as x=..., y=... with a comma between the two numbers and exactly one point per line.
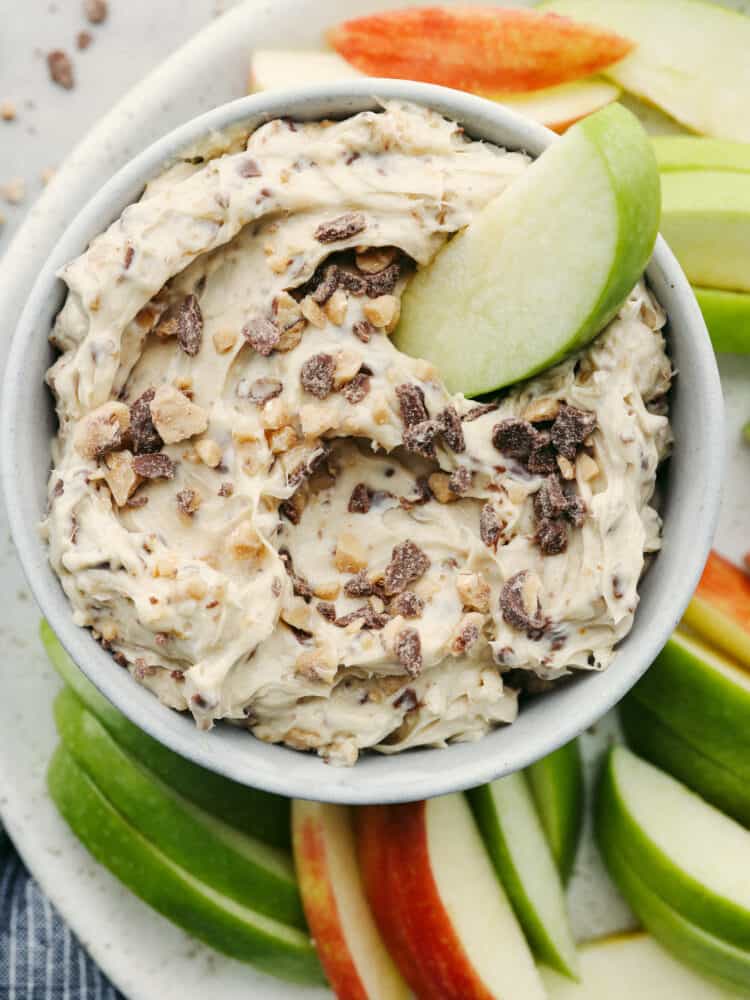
x=727, y=316
x=692, y=152
x=631, y=965
x=515, y=841
x=690, y=715
x=249, y=871
x=556, y=783
x=694, y=858
x=545, y=265
x=690, y=58
x=249, y=810
x=706, y=221
x=221, y=922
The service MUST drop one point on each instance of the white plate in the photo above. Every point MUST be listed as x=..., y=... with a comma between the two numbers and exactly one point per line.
x=143, y=954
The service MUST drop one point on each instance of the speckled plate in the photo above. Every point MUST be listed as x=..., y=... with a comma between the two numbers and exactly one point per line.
x=146, y=957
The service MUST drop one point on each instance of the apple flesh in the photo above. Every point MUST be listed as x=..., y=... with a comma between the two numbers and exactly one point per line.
x=256, y=875
x=215, y=919
x=720, y=608
x=727, y=316
x=690, y=715
x=668, y=850
x=276, y=69
x=690, y=58
x=631, y=965
x=534, y=277
x=248, y=810
x=350, y=949
x=706, y=221
x=514, y=838
x=692, y=152
x=556, y=784
x=485, y=51
x=441, y=911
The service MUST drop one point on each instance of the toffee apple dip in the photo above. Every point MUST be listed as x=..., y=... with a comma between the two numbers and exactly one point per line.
x=269, y=514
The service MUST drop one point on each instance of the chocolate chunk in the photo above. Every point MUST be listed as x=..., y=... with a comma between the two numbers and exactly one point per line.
x=451, y=429
x=552, y=536
x=359, y=586
x=408, y=563
x=575, y=511
x=383, y=282
x=188, y=501
x=144, y=434
x=479, y=411
x=316, y=375
x=370, y=618
x=189, y=325
x=136, y=502
x=60, y=68
x=341, y=228
x=154, y=466
x=406, y=700
x=248, y=167
x=459, y=481
x=408, y=604
x=327, y=286
x=289, y=510
x=411, y=403
x=363, y=330
x=514, y=609
x=409, y=651
x=359, y=501
x=420, y=438
x=549, y=500
x=570, y=429
x=327, y=610
x=356, y=390
x=263, y=389
x=465, y=638
x=262, y=335
x=300, y=586
x=305, y=469
x=514, y=437
x=489, y=525
x=542, y=460
x=127, y=259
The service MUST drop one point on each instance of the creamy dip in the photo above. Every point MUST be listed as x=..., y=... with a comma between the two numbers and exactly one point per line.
x=271, y=515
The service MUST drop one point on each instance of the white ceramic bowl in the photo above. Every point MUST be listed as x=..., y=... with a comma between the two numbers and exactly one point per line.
x=691, y=494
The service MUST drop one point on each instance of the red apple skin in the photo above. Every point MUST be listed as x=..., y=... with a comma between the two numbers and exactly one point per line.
x=395, y=865
x=322, y=912
x=485, y=50
x=720, y=609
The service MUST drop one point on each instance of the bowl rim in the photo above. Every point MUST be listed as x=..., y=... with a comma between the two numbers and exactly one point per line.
x=418, y=773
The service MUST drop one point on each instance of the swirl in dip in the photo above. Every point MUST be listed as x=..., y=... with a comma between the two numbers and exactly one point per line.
x=271, y=515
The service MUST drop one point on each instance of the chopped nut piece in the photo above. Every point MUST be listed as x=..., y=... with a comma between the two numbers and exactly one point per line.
x=336, y=307
x=383, y=312
x=224, y=340
x=175, y=417
x=291, y=338
x=542, y=409
x=283, y=439
x=154, y=466
x=120, y=476
x=275, y=413
x=408, y=649
x=350, y=555
x=245, y=541
x=317, y=375
x=286, y=311
x=440, y=486
x=348, y=364
x=14, y=190
x=8, y=111
x=313, y=313
x=586, y=467
x=489, y=525
x=408, y=564
x=474, y=591
x=327, y=591
x=341, y=228
x=102, y=430
x=188, y=501
x=166, y=566
x=60, y=68
x=567, y=469
x=407, y=604
x=262, y=335
x=375, y=259
x=209, y=452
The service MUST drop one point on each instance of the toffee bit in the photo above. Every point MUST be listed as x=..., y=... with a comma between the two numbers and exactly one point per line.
x=408, y=564
x=514, y=437
x=188, y=501
x=408, y=604
x=263, y=389
x=411, y=403
x=356, y=390
x=327, y=609
x=359, y=501
x=575, y=511
x=489, y=525
x=95, y=10
x=154, y=466
x=459, y=481
x=542, y=461
x=327, y=286
x=479, y=411
x=423, y=494
x=407, y=700
x=60, y=68
x=58, y=489
x=451, y=429
x=420, y=438
x=514, y=610
x=549, y=500
x=353, y=283
x=409, y=651
x=262, y=335
x=189, y=325
x=552, y=537
x=341, y=228
x=248, y=167
x=359, y=586
x=383, y=282
x=136, y=502
x=127, y=259
x=363, y=330
x=317, y=375
x=370, y=618
x=570, y=429
x=289, y=510
x=465, y=639
x=146, y=438
x=226, y=490
x=300, y=586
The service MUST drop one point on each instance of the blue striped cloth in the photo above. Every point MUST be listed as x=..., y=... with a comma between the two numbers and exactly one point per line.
x=40, y=959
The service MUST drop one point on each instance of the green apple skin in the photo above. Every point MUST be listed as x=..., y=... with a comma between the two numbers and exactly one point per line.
x=727, y=316
x=514, y=838
x=255, y=875
x=692, y=152
x=251, y=811
x=557, y=787
x=692, y=857
x=220, y=922
x=690, y=58
x=532, y=278
x=690, y=715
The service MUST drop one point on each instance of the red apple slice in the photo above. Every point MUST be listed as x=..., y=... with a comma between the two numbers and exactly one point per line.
x=720, y=608
x=441, y=911
x=487, y=50
x=349, y=946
